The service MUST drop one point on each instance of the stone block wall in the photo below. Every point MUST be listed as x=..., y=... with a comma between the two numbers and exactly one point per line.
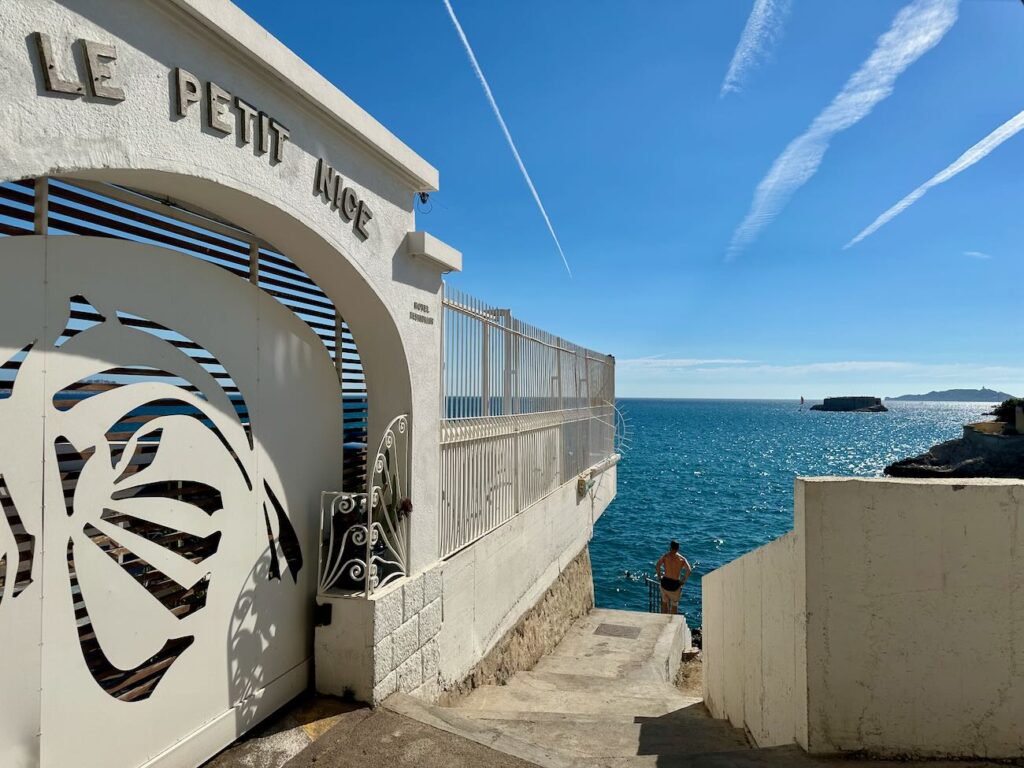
x=405, y=650
x=373, y=648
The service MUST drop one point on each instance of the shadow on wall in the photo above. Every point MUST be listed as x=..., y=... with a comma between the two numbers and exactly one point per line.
x=251, y=633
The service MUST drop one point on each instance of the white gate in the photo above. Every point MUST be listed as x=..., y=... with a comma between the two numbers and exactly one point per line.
x=158, y=536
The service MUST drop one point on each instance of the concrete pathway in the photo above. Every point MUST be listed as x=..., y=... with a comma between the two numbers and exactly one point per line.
x=382, y=739
x=605, y=698
x=285, y=734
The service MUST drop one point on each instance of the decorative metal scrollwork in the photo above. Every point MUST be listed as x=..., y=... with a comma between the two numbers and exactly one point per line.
x=364, y=537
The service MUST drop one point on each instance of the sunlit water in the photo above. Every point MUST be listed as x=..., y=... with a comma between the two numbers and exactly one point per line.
x=718, y=476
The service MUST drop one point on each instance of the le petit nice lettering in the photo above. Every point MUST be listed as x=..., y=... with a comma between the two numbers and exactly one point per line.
x=225, y=113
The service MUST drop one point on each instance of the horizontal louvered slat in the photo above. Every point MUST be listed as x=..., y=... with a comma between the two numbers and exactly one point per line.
x=98, y=210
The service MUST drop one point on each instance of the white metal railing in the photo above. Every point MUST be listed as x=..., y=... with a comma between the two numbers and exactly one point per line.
x=523, y=412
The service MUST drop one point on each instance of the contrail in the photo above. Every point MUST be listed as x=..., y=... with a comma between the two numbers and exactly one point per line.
x=1005, y=131
x=917, y=28
x=504, y=128
x=763, y=26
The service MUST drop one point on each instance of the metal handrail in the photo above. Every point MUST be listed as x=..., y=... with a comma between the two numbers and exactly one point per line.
x=653, y=594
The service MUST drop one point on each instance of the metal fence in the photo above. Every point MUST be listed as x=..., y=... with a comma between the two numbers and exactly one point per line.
x=524, y=412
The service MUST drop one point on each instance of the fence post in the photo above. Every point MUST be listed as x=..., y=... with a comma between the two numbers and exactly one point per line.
x=485, y=364
x=510, y=341
x=517, y=340
x=558, y=373
x=41, y=207
x=254, y=263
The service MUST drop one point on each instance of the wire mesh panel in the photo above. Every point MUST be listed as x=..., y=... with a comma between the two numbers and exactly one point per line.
x=523, y=412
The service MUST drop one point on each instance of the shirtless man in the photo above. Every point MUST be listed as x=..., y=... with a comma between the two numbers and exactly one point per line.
x=673, y=570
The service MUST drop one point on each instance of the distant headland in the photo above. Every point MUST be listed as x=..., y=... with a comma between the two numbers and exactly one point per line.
x=983, y=395
x=852, y=404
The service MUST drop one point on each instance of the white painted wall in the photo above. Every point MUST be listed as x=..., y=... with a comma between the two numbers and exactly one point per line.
x=913, y=596
x=423, y=634
x=374, y=647
x=141, y=142
x=752, y=621
x=489, y=585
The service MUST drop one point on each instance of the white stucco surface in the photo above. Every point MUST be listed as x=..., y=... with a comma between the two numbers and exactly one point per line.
x=430, y=629
x=890, y=620
x=749, y=634
x=373, y=648
x=490, y=585
x=424, y=634
x=143, y=143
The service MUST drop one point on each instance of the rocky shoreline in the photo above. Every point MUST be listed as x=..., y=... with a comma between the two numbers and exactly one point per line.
x=987, y=449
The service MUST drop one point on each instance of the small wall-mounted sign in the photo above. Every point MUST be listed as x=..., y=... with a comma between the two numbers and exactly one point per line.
x=421, y=313
x=99, y=66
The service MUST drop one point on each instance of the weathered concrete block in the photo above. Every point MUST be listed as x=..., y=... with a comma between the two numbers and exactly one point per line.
x=385, y=688
x=407, y=640
x=412, y=594
x=387, y=614
x=430, y=621
x=429, y=691
x=410, y=673
x=383, y=658
x=537, y=632
x=431, y=655
x=432, y=585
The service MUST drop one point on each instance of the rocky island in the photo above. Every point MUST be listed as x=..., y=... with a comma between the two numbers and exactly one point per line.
x=851, y=404
x=986, y=449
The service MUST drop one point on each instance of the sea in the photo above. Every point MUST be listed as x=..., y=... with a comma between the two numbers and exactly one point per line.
x=717, y=475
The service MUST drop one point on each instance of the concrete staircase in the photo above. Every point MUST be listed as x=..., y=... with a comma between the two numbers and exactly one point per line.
x=604, y=697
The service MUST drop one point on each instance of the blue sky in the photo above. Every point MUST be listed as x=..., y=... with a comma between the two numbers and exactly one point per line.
x=648, y=159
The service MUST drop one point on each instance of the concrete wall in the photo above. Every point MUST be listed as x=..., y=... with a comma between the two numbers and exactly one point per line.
x=913, y=597
x=373, y=648
x=489, y=585
x=143, y=143
x=753, y=643
x=538, y=631
x=915, y=602
x=424, y=635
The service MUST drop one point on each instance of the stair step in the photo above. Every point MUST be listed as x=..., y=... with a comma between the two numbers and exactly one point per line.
x=558, y=682
x=521, y=697
x=743, y=758
x=603, y=697
x=689, y=730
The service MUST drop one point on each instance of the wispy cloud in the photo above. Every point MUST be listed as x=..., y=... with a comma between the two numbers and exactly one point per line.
x=657, y=361
x=504, y=129
x=846, y=370
x=1005, y=131
x=764, y=26
x=977, y=255
x=917, y=28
